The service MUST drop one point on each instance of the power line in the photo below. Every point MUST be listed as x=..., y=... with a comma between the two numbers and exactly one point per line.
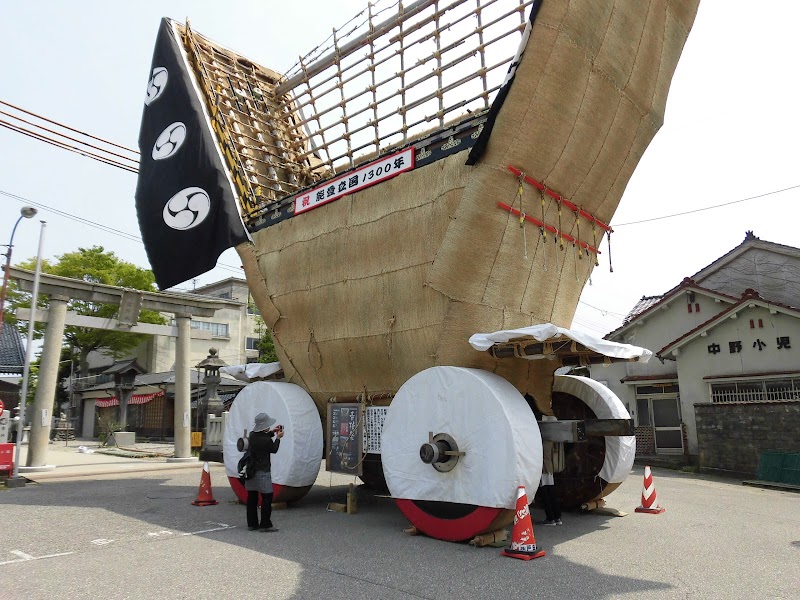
x=689, y=212
x=65, y=146
x=603, y=311
x=72, y=139
x=27, y=112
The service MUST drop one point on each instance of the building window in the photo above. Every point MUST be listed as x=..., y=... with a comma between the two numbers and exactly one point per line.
x=216, y=329
x=252, y=309
x=251, y=343
x=756, y=390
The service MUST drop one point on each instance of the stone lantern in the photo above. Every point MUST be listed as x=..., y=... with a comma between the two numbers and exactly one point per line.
x=124, y=373
x=211, y=366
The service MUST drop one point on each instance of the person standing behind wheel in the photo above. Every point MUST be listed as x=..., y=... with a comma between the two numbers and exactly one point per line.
x=261, y=446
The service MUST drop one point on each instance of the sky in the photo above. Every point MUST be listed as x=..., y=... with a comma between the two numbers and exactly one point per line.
x=730, y=132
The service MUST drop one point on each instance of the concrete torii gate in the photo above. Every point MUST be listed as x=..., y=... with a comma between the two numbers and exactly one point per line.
x=61, y=290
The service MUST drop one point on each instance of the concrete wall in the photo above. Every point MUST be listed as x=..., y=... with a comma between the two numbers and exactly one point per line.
x=731, y=436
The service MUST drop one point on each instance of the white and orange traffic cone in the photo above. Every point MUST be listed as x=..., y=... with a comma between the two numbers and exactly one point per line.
x=204, y=495
x=649, y=500
x=523, y=544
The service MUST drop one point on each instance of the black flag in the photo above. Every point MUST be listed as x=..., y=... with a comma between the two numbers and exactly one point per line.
x=480, y=145
x=185, y=201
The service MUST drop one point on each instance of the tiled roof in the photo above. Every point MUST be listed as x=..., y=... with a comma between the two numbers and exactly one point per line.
x=648, y=303
x=12, y=352
x=641, y=306
x=166, y=377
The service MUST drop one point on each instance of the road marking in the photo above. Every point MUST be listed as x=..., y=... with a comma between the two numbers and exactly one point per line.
x=28, y=557
x=160, y=533
x=210, y=530
x=101, y=542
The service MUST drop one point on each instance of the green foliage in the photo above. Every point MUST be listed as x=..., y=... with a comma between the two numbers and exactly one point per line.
x=266, y=345
x=106, y=426
x=94, y=265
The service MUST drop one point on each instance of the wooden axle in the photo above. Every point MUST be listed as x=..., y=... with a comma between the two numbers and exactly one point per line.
x=580, y=430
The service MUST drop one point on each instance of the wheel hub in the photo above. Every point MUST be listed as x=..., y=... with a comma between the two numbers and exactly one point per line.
x=440, y=451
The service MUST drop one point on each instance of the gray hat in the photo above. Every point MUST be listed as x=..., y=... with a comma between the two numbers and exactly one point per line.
x=263, y=422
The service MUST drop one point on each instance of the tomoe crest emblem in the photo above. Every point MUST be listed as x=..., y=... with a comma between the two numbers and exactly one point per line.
x=187, y=209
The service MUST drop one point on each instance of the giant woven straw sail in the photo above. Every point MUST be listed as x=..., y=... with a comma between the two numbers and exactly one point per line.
x=365, y=291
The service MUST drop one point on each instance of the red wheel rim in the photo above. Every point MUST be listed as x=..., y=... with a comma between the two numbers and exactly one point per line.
x=451, y=530
x=241, y=493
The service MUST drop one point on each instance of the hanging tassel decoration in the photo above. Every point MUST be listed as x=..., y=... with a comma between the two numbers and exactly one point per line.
x=544, y=235
x=610, y=267
x=555, y=244
x=524, y=237
x=520, y=192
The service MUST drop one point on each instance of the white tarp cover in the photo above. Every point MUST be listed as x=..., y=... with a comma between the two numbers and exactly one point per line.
x=620, y=450
x=546, y=331
x=489, y=420
x=298, y=459
x=252, y=371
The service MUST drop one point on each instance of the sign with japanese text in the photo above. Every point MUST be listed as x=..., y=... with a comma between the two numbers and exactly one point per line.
x=735, y=347
x=353, y=181
x=345, y=438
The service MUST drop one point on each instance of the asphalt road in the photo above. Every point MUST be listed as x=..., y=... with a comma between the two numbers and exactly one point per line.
x=138, y=536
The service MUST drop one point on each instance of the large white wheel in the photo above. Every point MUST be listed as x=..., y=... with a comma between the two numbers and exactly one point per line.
x=455, y=497
x=598, y=466
x=296, y=464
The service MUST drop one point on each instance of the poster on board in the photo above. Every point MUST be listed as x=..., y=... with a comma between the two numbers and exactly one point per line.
x=344, y=447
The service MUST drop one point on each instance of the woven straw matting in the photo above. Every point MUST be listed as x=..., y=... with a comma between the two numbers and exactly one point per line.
x=364, y=292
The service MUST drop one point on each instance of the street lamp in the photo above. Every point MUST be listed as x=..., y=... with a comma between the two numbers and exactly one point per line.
x=26, y=212
x=15, y=478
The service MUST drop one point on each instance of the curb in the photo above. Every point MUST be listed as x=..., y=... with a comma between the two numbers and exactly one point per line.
x=88, y=472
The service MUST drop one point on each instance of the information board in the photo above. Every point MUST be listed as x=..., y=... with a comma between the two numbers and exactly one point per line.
x=5, y=426
x=344, y=440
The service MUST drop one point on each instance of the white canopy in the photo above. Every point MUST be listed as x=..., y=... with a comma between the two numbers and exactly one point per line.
x=547, y=331
x=252, y=371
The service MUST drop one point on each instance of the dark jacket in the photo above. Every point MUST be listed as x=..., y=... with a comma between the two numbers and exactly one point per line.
x=262, y=445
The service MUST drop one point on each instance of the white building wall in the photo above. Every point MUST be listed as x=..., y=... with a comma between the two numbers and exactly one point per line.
x=661, y=326
x=695, y=362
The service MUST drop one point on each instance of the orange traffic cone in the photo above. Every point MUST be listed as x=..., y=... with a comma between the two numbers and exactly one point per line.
x=523, y=544
x=204, y=495
x=649, y=500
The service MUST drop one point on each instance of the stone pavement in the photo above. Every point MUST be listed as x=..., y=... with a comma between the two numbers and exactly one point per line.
x=71, y=459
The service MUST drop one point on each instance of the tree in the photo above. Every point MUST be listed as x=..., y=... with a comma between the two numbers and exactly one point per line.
x=95, y=265
x=266, y=345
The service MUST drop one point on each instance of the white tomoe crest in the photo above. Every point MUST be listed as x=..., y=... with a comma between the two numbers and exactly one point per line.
x=188, y=208
x=169, y=141
x=156, y=85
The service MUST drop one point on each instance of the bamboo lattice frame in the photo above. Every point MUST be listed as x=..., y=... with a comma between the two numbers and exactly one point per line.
x=390, y=74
